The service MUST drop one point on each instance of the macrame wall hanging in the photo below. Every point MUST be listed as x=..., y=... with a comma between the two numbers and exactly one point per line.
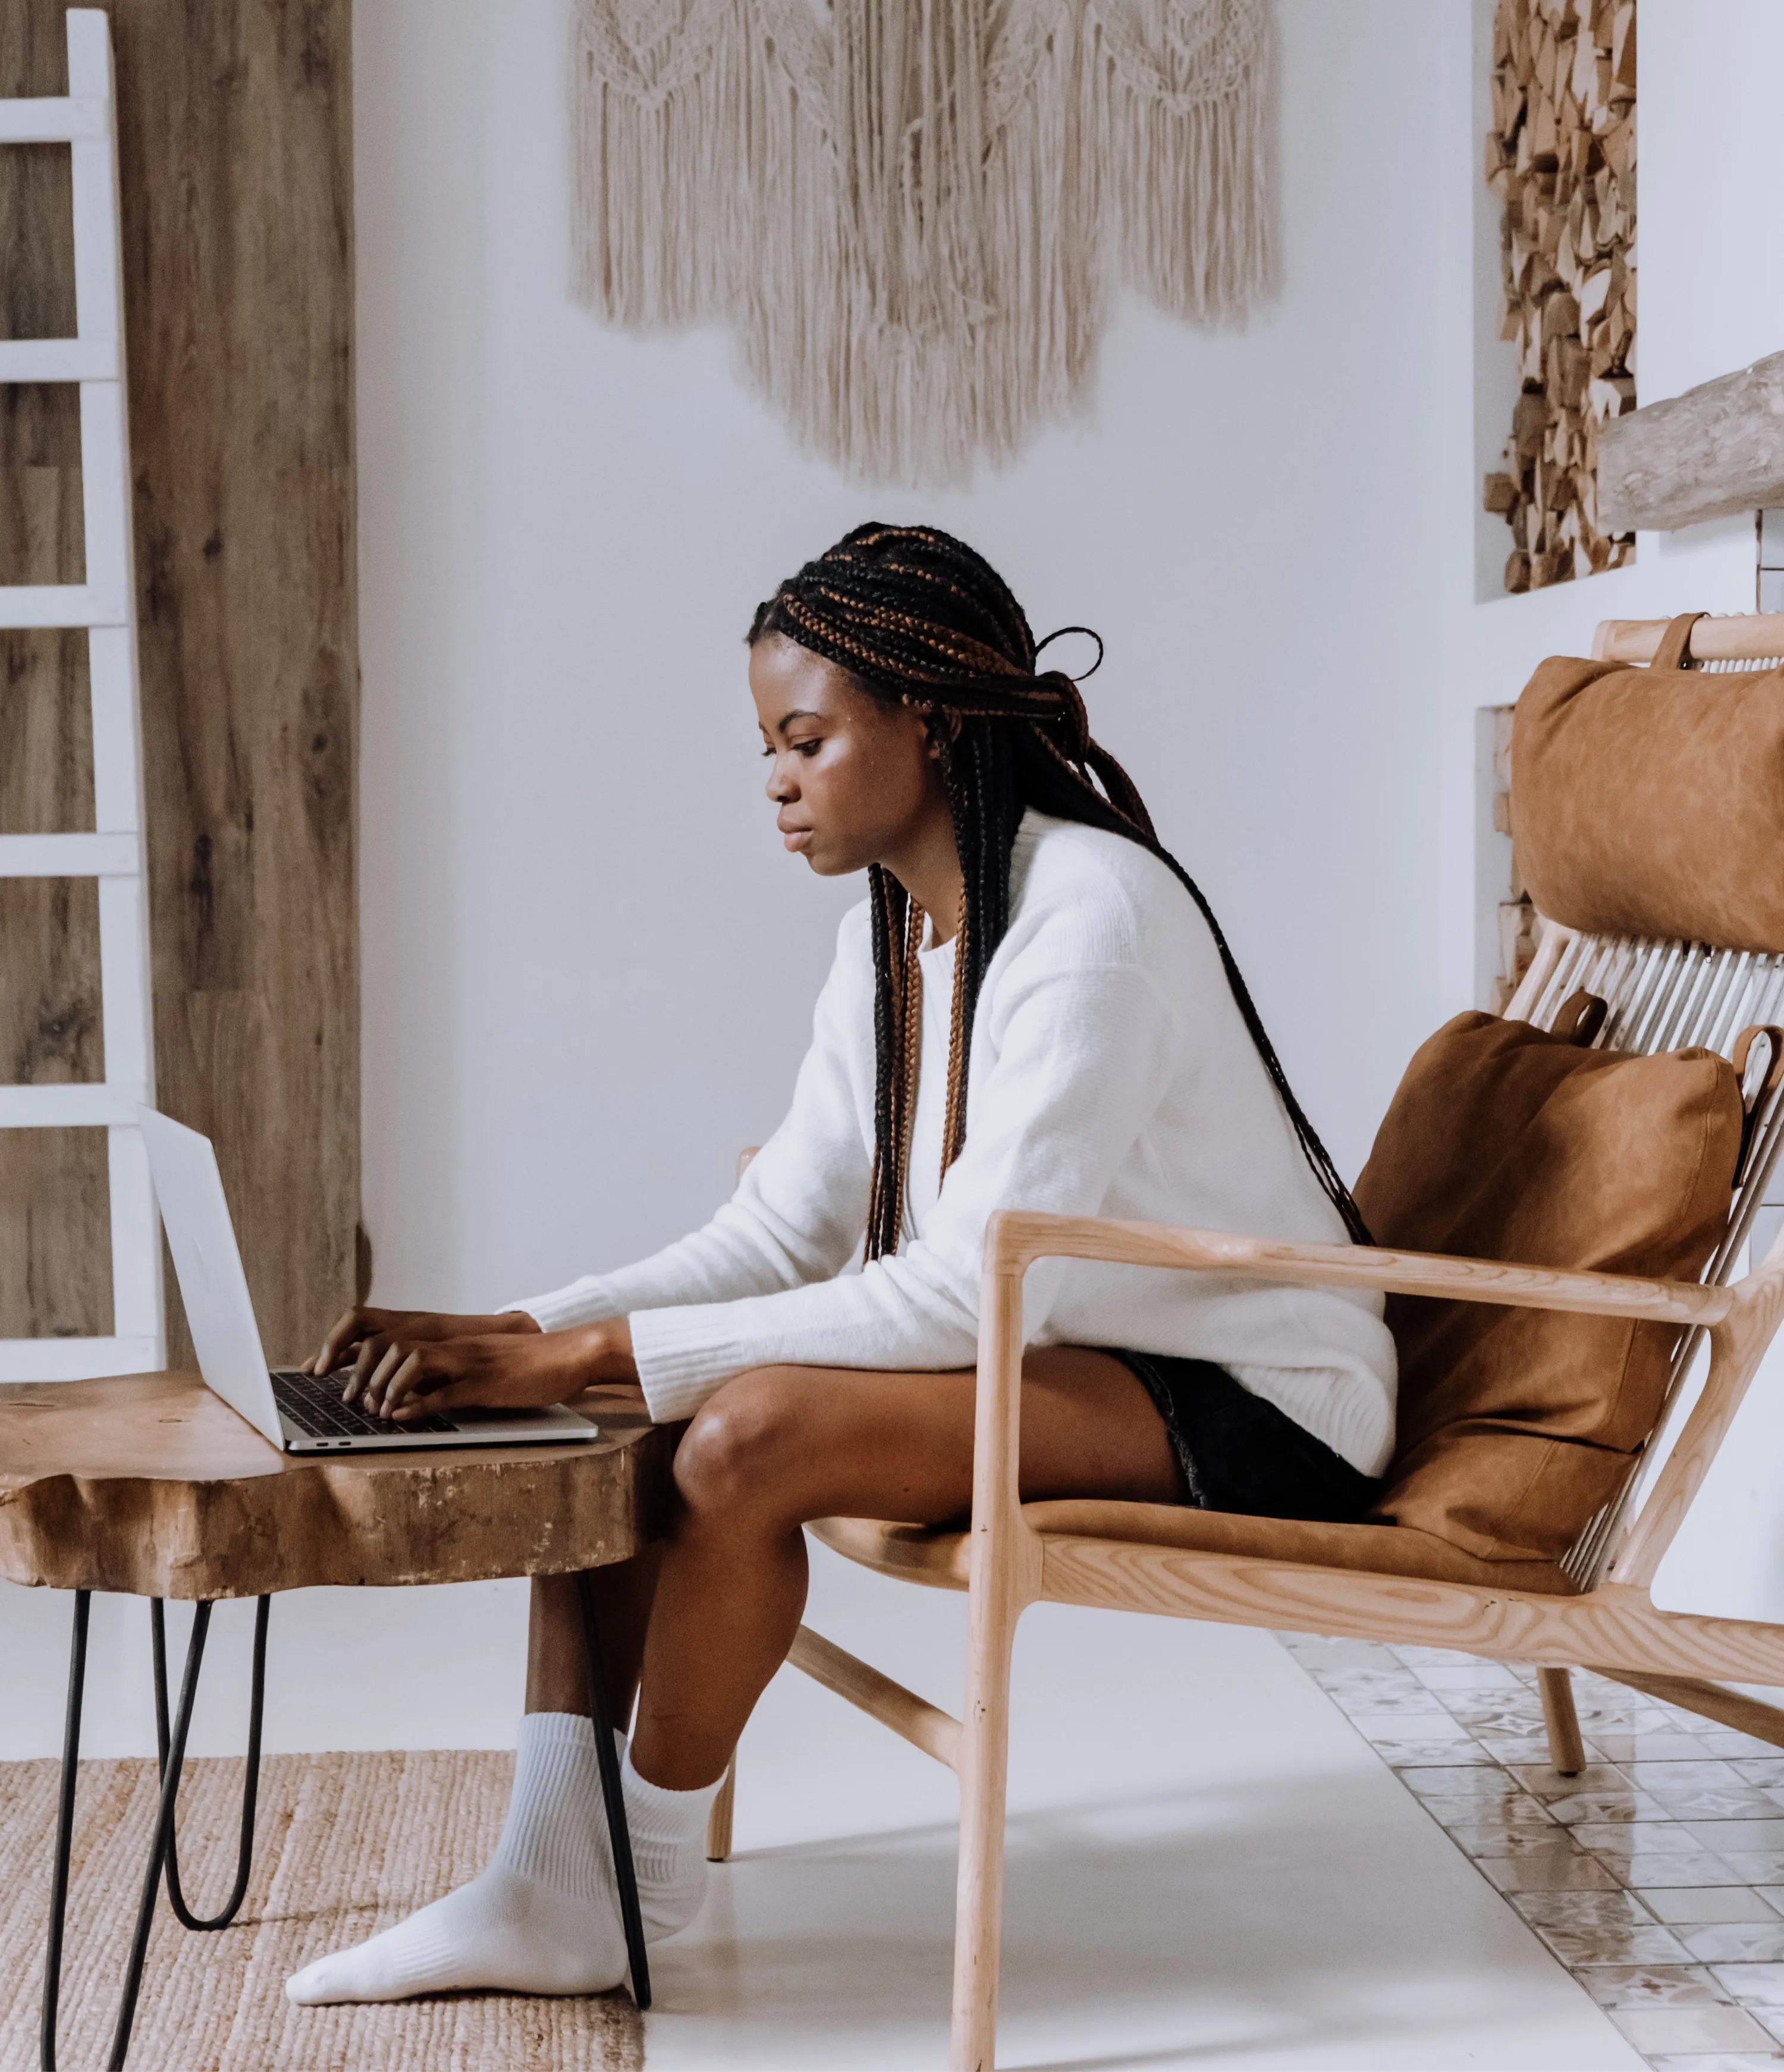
x=913, y=214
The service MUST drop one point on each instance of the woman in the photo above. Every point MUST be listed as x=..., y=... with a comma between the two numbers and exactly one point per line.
x=1033, y=1008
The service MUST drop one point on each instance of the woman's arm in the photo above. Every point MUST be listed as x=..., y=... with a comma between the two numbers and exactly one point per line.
x=1080, y=1059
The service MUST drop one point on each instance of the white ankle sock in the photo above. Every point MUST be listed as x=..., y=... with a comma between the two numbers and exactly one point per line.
x=542, y=1918
x=669, y=1833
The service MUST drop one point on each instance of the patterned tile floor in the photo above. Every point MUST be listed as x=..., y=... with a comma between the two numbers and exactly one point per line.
x=1656, y=1876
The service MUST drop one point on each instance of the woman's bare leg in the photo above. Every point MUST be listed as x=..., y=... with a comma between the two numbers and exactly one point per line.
x=773, y=1449
x=780, y=1446
x=557, y=1679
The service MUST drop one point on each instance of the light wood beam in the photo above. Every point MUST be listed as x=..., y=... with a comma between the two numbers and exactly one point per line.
x=1714, y=452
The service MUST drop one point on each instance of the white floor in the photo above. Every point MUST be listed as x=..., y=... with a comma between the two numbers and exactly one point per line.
x=1208, y=1867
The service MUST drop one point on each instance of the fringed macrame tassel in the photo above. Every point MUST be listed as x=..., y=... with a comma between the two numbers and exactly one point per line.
x=791, y=312
x=911, y=216
x=1036, y=352
x=654, y=111
x=1176, y=97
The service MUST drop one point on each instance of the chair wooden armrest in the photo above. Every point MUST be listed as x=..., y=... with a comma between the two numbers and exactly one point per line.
x=1016, y=1238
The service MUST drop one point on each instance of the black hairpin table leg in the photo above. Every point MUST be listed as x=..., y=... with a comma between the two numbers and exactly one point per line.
x=250, y=1780
x=173, y=1758
x=65, y=1830
x=614, y=1799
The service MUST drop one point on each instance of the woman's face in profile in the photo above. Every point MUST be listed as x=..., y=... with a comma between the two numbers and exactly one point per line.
x=853, y=779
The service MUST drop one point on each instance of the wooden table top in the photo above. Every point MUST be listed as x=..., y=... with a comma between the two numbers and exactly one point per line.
x=149, y=1483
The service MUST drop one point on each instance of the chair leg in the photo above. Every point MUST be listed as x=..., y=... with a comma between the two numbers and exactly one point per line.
x=979, y=1903
x=1566, y=1749
x=718, y=1821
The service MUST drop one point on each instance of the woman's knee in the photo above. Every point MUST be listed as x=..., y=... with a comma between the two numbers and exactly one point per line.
x=741, y=1450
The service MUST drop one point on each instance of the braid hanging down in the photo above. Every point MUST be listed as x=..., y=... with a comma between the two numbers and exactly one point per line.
x=918, y=619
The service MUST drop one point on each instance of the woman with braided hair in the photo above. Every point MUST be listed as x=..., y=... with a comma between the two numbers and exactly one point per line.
x=1033, y=1008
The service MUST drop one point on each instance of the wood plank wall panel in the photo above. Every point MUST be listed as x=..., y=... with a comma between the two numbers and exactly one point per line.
x=55, y=1267
x=235, y=131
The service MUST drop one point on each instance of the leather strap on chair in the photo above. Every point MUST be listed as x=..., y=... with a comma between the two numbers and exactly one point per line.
x=1673, y=652
x=1581, y=1016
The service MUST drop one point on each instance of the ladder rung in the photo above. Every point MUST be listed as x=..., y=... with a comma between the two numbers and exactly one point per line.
x=58, y=359
x=77, y=1360
x=70, y=856
x=80, y=1106
x=46, y=119
x=59, y=604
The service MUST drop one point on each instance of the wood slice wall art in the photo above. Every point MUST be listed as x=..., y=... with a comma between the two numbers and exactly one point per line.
x=1561, y=157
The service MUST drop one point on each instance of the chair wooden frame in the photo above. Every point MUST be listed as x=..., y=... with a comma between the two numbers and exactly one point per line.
x=1006, y=1562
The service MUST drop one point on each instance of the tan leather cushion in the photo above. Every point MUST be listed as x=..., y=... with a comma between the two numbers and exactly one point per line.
x=1651, y=802
x=1504, y=1142
x=1382, y=1550
x=938, y=1554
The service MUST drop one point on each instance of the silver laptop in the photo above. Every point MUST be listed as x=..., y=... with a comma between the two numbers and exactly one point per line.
x=303, y=1414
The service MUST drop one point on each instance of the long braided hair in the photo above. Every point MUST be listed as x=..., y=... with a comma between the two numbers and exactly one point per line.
x=918, y=619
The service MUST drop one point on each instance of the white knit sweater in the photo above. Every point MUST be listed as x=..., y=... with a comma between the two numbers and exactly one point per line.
x=1111, y=1075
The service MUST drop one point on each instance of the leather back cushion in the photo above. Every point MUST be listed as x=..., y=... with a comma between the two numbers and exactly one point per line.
x=1651, y=802
x=1504, y=1142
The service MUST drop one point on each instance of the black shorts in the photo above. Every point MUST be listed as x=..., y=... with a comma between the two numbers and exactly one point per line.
x=1241, y=1454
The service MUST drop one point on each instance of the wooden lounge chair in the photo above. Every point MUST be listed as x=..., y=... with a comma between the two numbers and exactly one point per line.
x=1376, y=1581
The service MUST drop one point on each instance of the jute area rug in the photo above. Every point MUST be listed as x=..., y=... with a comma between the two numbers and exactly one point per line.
x=345, y=1845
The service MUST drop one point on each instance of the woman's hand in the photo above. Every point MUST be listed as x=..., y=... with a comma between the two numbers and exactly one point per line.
x=370, y=1333
x=508, y=1372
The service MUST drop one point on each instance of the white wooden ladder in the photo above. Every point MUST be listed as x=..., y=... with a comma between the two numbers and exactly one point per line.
x=105, y=605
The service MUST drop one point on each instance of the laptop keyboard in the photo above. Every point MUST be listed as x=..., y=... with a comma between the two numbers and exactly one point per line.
x=313, y=1402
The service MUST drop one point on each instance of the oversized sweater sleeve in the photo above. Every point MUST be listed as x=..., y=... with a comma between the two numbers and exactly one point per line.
x=800, y=1210
x=1064, y=1079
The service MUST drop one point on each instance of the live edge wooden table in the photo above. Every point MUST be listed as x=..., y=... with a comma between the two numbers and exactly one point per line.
x=149, y=1484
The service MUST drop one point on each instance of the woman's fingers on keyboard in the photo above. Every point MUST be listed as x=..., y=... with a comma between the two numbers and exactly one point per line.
x=371, y=1350
x=342, y=1334
x=501, y=1370
x=382, y=1355
x=429, y=1376
x=400, y=1397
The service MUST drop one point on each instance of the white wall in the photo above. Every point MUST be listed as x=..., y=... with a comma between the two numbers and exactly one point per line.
x=588, y=965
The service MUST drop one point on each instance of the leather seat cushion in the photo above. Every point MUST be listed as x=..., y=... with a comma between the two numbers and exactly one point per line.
x=1506, y=1142
x=937, y=1555
x=1382, y=1550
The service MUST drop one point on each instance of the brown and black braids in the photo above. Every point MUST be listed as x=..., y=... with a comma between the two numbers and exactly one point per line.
x=917, y=617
